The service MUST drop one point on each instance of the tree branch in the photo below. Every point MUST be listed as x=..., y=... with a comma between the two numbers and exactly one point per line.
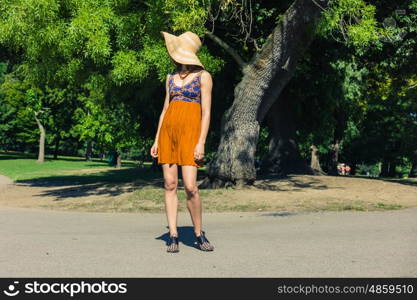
x=321, y=7
x=228, y=49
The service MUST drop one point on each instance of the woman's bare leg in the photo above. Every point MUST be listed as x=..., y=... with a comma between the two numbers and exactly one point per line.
x=189, y=176
x=171, y=199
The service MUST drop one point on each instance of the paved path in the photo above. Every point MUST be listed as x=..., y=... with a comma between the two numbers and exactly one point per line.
x=5, y=181
x=46, y=243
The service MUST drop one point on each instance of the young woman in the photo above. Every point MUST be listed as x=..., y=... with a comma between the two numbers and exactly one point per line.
x=182, y=132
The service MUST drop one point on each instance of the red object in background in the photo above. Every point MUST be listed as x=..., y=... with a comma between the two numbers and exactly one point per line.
x=347, y=169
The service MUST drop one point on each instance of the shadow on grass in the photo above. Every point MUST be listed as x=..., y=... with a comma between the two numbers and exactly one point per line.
x=95, y=162
x=6, y=156
x=269, y=183
x=108, y=182
x=405, y=181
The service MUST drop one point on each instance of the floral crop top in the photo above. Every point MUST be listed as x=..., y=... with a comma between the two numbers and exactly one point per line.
x=191, y=92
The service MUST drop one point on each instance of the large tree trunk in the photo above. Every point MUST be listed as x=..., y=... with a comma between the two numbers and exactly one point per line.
x=315, y=161
x=413, y=171
x=284, y=155
x=41, y=152
x=264, y=77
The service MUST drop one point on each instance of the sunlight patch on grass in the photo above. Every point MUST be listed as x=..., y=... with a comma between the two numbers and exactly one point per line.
x=25, y=167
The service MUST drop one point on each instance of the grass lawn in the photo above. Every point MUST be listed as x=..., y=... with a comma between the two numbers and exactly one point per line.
x=19, y=167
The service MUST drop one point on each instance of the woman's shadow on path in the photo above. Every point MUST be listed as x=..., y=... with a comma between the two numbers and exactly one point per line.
x=185, y=235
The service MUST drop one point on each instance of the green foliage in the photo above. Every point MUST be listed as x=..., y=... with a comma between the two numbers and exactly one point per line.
x=368, y=170
x=187, y=15
x=76, y=54
x=351, y=21
x=87, y=34
x=127, y=68
x=262, y=146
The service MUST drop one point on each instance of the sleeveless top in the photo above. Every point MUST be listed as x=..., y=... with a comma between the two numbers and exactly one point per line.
x=190, y=92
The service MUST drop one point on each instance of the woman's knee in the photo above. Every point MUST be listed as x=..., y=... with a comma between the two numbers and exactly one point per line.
x=170, y=185
x=191, y=189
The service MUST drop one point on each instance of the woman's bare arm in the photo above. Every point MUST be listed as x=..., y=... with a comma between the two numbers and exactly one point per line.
x=165, y=107
x=206, y=88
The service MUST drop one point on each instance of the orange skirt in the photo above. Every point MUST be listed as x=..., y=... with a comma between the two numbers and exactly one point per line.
x=179, y=134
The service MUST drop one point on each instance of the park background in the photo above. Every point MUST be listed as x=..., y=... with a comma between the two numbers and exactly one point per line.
x=299, y=87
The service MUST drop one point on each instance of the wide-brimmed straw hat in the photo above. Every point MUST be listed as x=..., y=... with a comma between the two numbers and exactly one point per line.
x=183, y=48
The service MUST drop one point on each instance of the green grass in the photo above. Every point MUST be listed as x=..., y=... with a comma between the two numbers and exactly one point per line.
x=381, y=205
x=20, y=167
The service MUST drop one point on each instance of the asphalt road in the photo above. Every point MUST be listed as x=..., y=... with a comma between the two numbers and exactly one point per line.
x=43, y=243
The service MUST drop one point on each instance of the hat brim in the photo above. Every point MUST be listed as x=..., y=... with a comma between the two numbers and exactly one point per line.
x=180, y=55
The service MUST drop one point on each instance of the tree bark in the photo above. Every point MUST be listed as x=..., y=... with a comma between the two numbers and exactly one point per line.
x=315, y=161
x=118, y=160
x=41, y=152
x=413, y=171
x=284, y=155
x=353, y=167
x=89, y=150
x=263, y=79
x=57, y=141
x=388, y=168
x=340, y=127
x=334, y=161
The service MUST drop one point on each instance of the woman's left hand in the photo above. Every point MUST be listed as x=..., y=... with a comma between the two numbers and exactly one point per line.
x=199, y=151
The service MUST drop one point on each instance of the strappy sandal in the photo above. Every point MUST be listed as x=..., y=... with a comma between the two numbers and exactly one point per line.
x=201, y=239
x=173, y=240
